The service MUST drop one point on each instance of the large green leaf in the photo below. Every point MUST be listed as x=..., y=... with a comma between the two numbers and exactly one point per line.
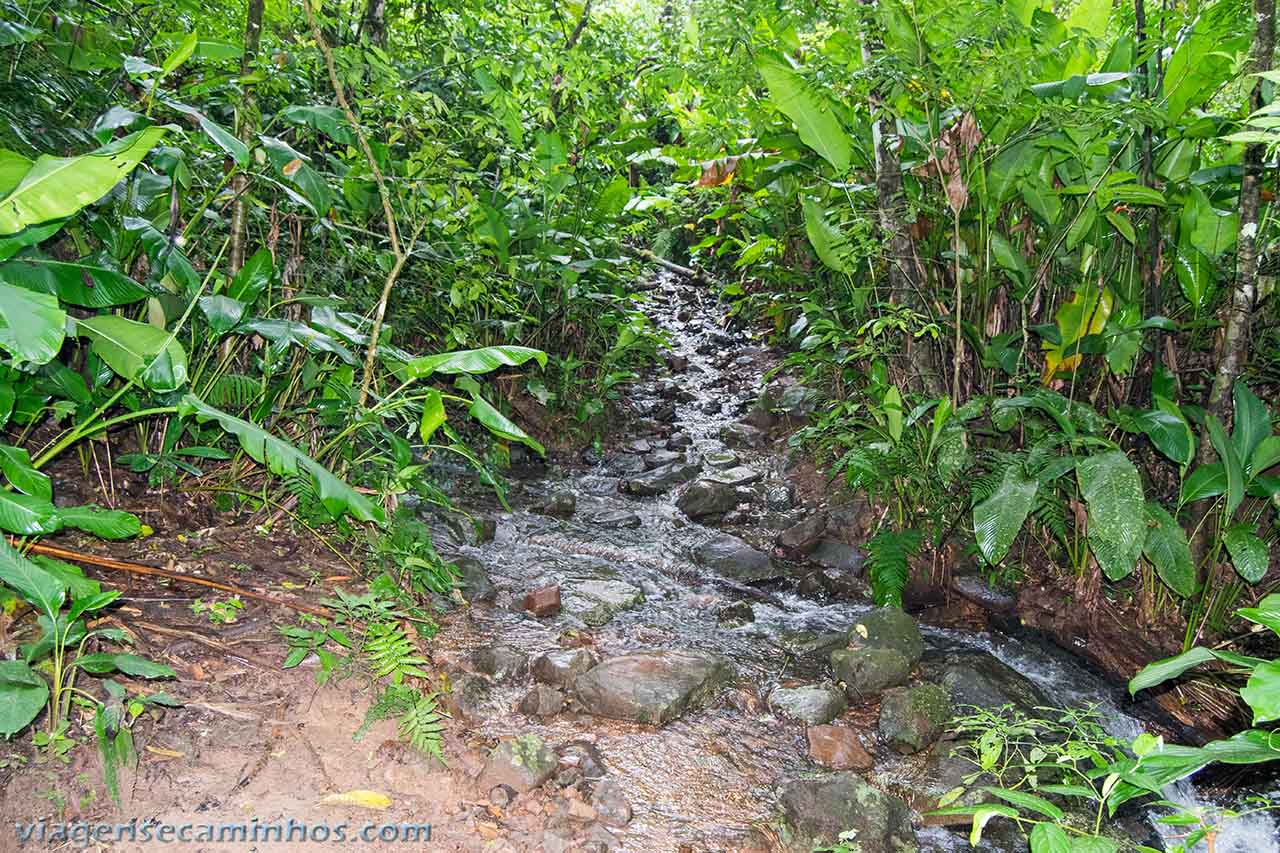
x=137, y=351
x=1265, y=455
x=1163, y=670
x=57, y=187
x=1267, y=613
x=1112, y=490
x=13, y=32
x=32, y=325
x=997, y=520
x=22, y=696
x=1195, y=274
x=79, y=283
x=286, y=333
x=1046, y=837
x=17, y=468
x=328, y=120
x=498, y=424
x=27, y=515
x=283, y=458
x=813, y=114
x=1230, y=462
x=39, y=588
x=473, y=361
x=1252, y=422
x=1169, y=431
x=1205, y=227
x=220, y=136
x=103, y=523
x=1175, y=762
x=1167, y=549
x=830, y=244
x=1248, y=552
x=1262, y=693
x=102, y=663
x=433, y=415
x=1204, y=58
x=1207, y=481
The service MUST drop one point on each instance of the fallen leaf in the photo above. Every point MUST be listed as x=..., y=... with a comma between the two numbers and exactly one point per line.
x=359, y=798
x=164, y=753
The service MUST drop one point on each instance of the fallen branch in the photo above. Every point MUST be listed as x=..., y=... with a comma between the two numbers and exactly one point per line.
x=139, y=569
x=687, y=272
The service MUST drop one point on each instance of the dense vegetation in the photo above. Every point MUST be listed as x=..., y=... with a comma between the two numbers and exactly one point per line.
x=1023, y=252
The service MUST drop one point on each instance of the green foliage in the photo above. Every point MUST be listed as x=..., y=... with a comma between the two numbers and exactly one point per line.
x=888, y=566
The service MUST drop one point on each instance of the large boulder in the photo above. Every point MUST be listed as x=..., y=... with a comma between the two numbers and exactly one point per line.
x=596, y=602
x=804, y=536
x=888, y=628
x=817, y=810
x=811, y=704
x=705, y=498
x=652, y=687
x=502, y=663
x=473, y=579
x=522, y=763
x=867, y=672
x=731, y=557
x=560, y=668
x=983, y=681
x=913, y=718
x=662, y=479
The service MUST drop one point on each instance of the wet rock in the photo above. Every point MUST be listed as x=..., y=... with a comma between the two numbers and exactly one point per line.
x=658, y=458
x=735, y=614
x=465, y=529
x=501, y=795
x=818, y=809
x=679, y=441
x=473, y=580
x=470, y=699
x=561, y=503
x=976, y=589
x=811, y=704
x=839, y=748
x=782, y=401
x=640, y=445
x=805, y=536
x=720, y=459
x=597, y=601
x=838, y=556
x=616, y=519
x=704, y=498
x=779, y=499
x=661, y=479
x=541, y=701
x=888, y=628
x=610, y=804
x=913, y=718
x=983, y=681
x=733, y=558
x=522, y=764
x=624, y=464
x=544, y=601
x=676, y=362
x=653, y=687
x=736, y=476
x=837, y=583
x=810, y=647
x=590, y=456
x=563, y=666
x=741, y=435
x=582, y=756
x=866, y=672
x=502, y=663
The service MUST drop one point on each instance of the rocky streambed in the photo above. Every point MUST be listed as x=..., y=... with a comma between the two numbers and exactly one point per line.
x=669, y=645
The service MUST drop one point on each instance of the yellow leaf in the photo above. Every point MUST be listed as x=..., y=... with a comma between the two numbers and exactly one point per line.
x=1086, y=314
x=291, y=167
x=360, y=799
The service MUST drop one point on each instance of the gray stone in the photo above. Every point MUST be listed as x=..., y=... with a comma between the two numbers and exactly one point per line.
x=561, y=503
x=625, y=463
x=983, y=681
x=470, y=699
x=811, y=647
x=817, y=810
x=976, y=589
x=735, y=559
x=582, y=756
x=735, y=614
x=617, y=519
x=866, y=672
x=837, y=555
x=704, y=498
x=598, y=601
x=661, y=479
x=541, y=701
x=563, y=666
x=679, y=441
x=888, y=628
x=658, y=458
x=812, y=704
x=522, y=764
x=611, y=805
x=739, y=475
x=653, y=687
x=502, y=663
x=741, y=435
x=805, y=536
x=913, y=718
x=721, y=459
x=473, y=580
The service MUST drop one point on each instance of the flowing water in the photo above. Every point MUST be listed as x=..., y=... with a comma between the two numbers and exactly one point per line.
x=703, y=781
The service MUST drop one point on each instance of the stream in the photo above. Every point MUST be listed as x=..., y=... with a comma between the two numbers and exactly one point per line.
x=636, y=574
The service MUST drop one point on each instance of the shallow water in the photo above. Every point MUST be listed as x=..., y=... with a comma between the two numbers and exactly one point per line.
x=704, y=780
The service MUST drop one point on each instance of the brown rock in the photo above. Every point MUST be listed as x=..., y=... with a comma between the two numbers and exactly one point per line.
x=543, y=602
x=838, y=747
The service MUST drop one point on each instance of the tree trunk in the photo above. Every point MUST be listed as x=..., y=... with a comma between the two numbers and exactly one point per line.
x=1148, y=259
x=373, y=27
x=557, y=82
x=247, y=124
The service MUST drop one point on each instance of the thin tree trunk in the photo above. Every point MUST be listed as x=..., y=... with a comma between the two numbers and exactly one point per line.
x=247, y=123
x=1148, y=259
x=557, y=82
x=373, y=27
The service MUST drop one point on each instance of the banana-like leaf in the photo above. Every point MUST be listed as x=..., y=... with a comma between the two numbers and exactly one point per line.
x=23, y=694
x=103, y=523
x=77, y=282
x=433, y=415
x=1252, y=422
x=997, y=520
x=137, y=351
x=283, y=458
x=32, y=325
x=1167, y=549
x=17, y=468
x=57, y=187
x=39, y=588
x=1230, y=462
x=1248, y=552
x=813, y=114
x=27, y=515
x=1169, y=431
x=828, y=241
x=500, y=425
x=1112, y=490
x=472, y=361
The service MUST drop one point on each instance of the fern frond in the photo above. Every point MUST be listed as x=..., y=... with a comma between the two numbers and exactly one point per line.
x=888, y=553
x=1050, y=512
x=392, y=654
x=234, y=391
x=421, y=725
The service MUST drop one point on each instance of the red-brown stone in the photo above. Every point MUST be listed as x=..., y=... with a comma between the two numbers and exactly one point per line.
x=544, y=601
x=838, y=747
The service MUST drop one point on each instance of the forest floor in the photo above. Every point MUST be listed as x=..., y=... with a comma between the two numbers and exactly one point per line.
x=716, y=605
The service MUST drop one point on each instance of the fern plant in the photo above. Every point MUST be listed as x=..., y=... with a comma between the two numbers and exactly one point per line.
x=888, y=564
x=420, y=720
